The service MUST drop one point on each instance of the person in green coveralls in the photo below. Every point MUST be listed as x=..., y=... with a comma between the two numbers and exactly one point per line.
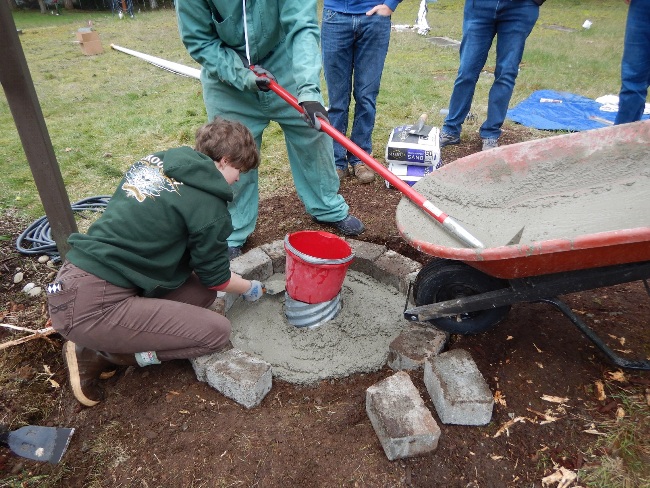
x=281, y=40
x=137, y=287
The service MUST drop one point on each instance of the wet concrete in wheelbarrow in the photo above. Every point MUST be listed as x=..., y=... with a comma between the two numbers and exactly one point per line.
x=562, y=187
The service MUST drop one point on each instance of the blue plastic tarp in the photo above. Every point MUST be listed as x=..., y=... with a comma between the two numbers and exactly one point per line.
x=553, y=110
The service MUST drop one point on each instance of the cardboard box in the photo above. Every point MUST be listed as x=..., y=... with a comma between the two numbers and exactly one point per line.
x=89, y=41
x=405, y=148
x=410, y=173
x=86, y=34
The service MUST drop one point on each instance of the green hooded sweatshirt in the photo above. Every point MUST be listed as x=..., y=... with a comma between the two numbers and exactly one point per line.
x=167, y=218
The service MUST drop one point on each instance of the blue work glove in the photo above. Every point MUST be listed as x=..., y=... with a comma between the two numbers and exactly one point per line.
x=264, y=78
x=255, y=292
x=313, y=110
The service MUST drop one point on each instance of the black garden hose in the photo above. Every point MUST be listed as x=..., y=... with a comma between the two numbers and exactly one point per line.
x=37, y=238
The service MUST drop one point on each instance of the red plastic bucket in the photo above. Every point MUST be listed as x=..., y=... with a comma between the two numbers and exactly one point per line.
x=316, y=265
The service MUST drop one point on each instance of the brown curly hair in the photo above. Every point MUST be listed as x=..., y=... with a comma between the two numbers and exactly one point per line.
x=228, y=139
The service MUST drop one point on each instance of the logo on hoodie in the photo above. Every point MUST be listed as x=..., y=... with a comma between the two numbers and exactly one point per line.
x=146, y=179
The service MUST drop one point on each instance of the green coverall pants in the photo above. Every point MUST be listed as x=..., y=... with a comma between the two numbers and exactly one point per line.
x=310, y=152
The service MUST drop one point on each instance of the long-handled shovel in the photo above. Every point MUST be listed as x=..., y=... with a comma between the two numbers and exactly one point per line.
x=448, y=223
x=38, y=443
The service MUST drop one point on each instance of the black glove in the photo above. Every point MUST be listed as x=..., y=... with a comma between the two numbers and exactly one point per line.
x=313, y=110
x=264, y=78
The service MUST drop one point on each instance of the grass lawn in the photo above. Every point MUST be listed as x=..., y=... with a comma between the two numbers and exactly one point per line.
x=104, y=111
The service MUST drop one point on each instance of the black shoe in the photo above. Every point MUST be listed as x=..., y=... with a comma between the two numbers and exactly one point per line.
x=234, y=252
x=447, y=139
x=349, y=226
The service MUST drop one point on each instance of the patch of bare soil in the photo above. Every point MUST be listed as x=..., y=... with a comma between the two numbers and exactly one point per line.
x=160, y=427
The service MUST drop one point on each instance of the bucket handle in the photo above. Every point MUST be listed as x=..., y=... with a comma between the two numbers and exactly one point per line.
x=315, y=260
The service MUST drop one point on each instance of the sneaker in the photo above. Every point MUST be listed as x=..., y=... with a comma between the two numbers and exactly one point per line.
x=234, y=252
x=489, y=143
x=363, y=173
x=447, y=139
x=349, y=226
x=342, y=173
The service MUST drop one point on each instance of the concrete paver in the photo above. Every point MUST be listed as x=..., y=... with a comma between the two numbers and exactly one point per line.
x=458, y=390
x=402, y=422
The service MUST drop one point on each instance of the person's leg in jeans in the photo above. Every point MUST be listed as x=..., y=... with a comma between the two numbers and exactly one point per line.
x=515, y=21
x=479, y=29
x=337, y=45
x=635, y=65
x=371, y=47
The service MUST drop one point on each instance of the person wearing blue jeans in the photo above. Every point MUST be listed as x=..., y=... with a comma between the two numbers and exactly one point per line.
x=635, y=65
x=354, y=40
x=511, y=21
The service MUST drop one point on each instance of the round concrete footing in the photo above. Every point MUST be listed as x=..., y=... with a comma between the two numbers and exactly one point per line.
x=355, y=341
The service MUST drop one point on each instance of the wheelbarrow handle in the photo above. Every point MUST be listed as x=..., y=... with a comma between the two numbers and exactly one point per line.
x=448, y=223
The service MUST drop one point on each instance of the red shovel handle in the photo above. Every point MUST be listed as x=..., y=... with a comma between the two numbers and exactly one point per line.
x=447, y=222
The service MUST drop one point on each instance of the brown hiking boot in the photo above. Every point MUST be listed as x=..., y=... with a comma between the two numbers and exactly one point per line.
x=363, y=173
x=86, y=367
x=342, y=173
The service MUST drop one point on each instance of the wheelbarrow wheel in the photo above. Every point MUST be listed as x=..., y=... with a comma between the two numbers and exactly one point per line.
x=443, y=279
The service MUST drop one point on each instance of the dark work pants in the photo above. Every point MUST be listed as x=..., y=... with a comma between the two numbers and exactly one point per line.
x=95, y=314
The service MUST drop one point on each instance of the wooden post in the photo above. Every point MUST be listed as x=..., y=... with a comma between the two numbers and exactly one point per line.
x=19, y=88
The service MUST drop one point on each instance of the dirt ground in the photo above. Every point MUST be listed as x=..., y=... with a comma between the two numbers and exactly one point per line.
x=160, y=427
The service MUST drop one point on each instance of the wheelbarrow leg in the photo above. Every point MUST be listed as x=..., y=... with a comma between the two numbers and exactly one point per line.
x=613, y=357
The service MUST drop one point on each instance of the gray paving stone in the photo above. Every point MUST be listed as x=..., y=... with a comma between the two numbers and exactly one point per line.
x=405, y=284
x=393, y=269
x=253, y=265
x=276, y=251
x=458, y=390
x=240, y=376
x=200, y=365
x=403, y=424
x=414, y=346
x=229, y=300
x=365, y=255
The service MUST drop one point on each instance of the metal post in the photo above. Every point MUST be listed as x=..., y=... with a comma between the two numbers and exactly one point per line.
x=21, y=95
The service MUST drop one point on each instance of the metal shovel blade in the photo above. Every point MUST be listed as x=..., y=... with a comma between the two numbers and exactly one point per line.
x=516, y=238
x=39, y=443
x=275, y=286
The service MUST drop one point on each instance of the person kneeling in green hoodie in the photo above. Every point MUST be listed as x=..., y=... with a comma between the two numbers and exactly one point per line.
x=137, y=287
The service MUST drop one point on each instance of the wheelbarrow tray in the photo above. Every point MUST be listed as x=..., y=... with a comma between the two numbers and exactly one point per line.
x=582, y=200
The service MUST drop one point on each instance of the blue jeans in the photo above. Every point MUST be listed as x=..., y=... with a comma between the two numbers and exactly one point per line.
x=635, y=65
x=353, y=43
x=511, y=21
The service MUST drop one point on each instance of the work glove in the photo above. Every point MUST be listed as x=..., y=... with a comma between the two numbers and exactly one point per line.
x=255, y=292
x=264, y=78
x=313, y=110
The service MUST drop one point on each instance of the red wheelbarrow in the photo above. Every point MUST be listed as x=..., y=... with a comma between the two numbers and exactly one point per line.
x=556, y=216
